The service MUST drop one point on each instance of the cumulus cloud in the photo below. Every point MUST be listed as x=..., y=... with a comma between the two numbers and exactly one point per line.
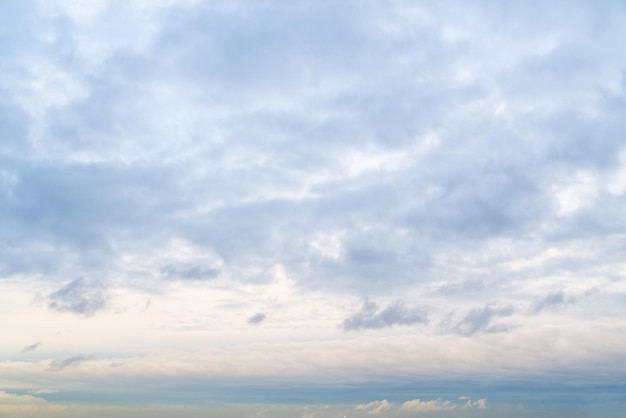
x=371, y=316
x=73, y=361
x=257, y=318
x=80, y=297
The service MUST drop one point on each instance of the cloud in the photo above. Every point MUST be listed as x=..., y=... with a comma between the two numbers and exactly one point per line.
x=372, y=317
x=31, y=347
x=80, y=297
x=73, y=361
x=11, y=399
x=480, y=319
x=257, y=318
x=190, y=273
x=551, y=302
x=418, y=405
x=455, y=152
x=375, y=407
x=44, y=391
x=480, y=404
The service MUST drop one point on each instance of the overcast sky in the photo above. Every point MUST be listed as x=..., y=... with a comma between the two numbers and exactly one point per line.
x=312, y=208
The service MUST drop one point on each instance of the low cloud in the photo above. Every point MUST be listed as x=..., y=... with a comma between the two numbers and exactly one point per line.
x=375, y=407
x=44, y=391
x=481, y=319
x=480, y=404
x=11, y=399
x=418, y=405
x=73, y=361
x=257, y=318
x=31, y=347
x=372, y=317
x=80, y=297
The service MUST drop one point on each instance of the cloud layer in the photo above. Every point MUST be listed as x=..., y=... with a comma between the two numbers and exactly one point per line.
x=182, y=180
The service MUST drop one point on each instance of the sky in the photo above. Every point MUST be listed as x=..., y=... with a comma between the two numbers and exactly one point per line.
x=312, y=209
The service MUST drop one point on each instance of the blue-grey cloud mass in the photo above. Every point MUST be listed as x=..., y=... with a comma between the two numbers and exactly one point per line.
x=442, y=182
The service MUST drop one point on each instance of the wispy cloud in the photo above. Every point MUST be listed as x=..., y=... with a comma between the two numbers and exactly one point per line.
x=80, y=297
x=73, y=361
x=31, y=347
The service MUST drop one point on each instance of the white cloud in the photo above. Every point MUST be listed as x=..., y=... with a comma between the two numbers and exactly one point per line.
x=418, y=405
x=375, y=407
x=576, y=193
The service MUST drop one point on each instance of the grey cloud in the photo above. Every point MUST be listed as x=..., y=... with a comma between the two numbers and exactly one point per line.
x=257, y=318
x=80, y=297
x=551, y=302
x=190, y=273
x=268, y=153
x=372, y=317
x=73, y=361
x=31, y=347
x=481, y=319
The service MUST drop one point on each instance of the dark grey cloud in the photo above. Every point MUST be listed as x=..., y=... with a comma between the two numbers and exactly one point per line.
x=31, y=347
x=371, y=316
x=480, y=320
x=79, y=296
x=257, y=318
x=74, y=361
